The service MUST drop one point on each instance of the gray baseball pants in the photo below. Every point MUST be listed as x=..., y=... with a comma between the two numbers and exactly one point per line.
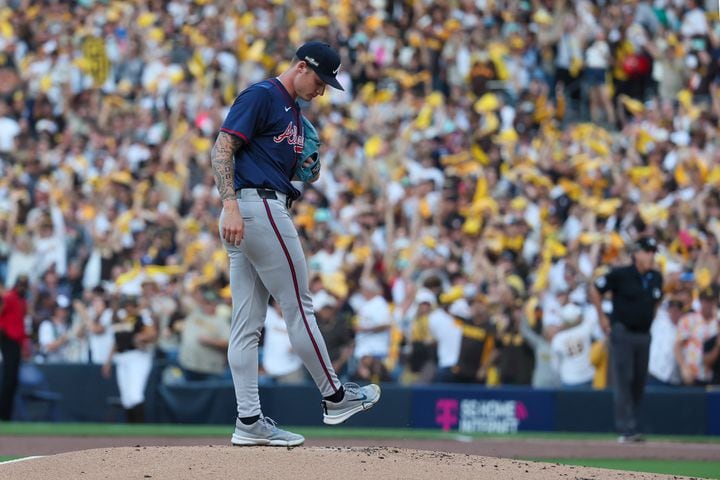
x=270, y=261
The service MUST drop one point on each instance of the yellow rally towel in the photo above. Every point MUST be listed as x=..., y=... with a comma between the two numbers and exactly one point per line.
x=599, y=359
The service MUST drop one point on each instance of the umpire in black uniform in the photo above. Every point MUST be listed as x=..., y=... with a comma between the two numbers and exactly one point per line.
x=636, y=291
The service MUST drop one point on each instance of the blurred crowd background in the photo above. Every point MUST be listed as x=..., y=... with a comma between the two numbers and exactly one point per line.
x=487, y=159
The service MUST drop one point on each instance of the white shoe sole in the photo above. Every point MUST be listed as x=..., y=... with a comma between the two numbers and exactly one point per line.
x=340, y=418
x=239, y=441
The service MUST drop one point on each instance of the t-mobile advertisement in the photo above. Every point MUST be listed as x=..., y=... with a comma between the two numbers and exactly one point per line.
x=483, y=411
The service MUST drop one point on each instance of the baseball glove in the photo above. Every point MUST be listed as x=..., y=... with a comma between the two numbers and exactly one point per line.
x=310, y=172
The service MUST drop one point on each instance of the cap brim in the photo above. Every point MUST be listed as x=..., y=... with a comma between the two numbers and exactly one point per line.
x=332, y=81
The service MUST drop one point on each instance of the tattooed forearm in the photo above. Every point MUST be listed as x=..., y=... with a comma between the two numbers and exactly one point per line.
x=223, y=164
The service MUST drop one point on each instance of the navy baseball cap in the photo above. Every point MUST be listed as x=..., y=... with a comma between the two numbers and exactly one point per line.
x=323, y=59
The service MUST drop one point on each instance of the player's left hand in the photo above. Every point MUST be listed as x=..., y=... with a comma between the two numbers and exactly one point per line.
x=309, y=169
x=308, y=162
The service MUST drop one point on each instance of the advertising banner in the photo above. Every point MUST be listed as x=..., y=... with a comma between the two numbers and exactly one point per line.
x=471, y=410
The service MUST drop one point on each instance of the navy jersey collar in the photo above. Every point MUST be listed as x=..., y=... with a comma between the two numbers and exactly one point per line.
x=279, y=85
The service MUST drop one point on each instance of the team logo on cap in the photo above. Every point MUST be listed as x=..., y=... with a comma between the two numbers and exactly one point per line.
x=312, y=61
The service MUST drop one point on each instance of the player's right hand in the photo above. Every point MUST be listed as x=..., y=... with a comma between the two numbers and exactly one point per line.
x=232, y=227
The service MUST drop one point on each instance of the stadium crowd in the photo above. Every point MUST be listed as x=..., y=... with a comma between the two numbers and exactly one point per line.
x=486, y=161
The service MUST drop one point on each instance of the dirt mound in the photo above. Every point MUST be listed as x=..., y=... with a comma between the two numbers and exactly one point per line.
x=225, y=463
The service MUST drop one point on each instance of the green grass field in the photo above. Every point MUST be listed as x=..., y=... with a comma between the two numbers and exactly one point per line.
x=702, y=469
x=176, y=430
x=689, y=468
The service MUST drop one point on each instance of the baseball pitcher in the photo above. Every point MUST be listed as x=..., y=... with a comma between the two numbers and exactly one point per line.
x=264, y=144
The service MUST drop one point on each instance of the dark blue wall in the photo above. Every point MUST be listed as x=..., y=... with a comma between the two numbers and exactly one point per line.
x=671, y=411
x=291, y=405
x=88, y=397
x=713, y=412
x=73, y=393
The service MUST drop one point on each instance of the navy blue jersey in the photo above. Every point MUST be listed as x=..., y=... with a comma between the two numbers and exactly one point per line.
x=269, y=121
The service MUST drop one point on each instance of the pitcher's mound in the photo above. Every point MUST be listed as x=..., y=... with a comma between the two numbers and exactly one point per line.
x=300, y=463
